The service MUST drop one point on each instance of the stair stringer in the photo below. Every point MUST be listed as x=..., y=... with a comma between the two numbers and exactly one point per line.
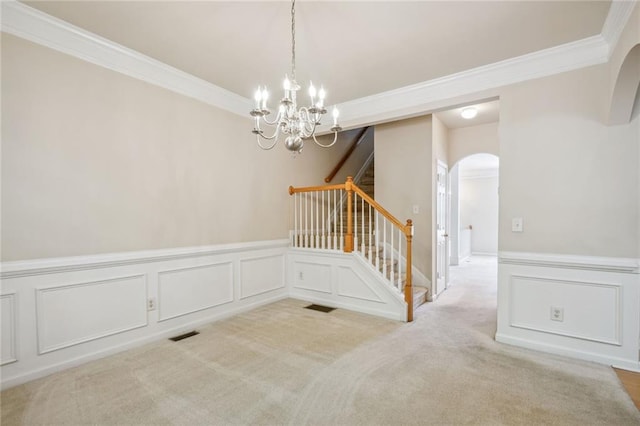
x=342, y=280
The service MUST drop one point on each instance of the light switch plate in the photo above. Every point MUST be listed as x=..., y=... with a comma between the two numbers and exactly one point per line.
x=416, y=209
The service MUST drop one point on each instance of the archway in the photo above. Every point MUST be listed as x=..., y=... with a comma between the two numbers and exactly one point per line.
x=626, y=90
x=474, y=207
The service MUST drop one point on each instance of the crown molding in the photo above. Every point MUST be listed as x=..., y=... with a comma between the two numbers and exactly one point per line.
x=31, y=24
x=430, y=95
x=619, y=14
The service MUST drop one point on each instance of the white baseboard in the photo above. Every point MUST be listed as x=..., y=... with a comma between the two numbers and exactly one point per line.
x=613, y=361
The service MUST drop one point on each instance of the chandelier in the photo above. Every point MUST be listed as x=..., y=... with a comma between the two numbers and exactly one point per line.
x=296, y=124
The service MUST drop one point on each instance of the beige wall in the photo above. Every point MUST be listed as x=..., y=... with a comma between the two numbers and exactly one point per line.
x=573, y=179
x=404, y=179
x=467, y=141
x=629, y=39
x=94, y=161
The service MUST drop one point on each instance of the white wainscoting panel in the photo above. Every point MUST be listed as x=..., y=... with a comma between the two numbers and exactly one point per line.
x=599, y=298
x=8, y=351
x=183, y=291
x=313, y=276
x=342, y=280
x=591, y=311
x=261, y=275
x=67, y=311
x=351, y=284
x=75, y=313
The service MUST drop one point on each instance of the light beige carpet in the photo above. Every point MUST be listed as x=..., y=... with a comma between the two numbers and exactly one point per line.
x=282, y=364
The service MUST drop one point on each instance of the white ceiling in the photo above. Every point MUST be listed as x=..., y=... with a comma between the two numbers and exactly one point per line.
x=354, y=48
x=488, y=112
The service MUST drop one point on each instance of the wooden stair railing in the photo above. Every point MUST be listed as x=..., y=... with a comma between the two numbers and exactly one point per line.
x=346, y=155
x=370, y=231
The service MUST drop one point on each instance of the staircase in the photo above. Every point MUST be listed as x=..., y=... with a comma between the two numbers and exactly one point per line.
x=365, y=222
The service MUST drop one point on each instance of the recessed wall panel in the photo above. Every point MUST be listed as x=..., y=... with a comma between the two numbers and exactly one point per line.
x=75, y=313
x=261, y=275
x=186, y=290
x=312, y=276
x=8, y=351
x=590, y=310
x=351, y=285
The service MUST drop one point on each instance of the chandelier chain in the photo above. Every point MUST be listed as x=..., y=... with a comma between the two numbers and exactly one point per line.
x=293, y=39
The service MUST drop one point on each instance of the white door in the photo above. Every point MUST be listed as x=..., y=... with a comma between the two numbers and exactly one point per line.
x=441, y=228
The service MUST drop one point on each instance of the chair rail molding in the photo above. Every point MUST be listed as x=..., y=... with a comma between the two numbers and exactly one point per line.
x=612, y=264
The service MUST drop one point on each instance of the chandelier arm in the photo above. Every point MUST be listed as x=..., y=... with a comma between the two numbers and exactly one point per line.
x=335, y=139
x=272, y=137
x=271, y=123
x=266, y=148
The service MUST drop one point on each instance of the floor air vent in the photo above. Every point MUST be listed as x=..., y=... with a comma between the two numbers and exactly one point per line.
x=184, y=336
x=319, y=308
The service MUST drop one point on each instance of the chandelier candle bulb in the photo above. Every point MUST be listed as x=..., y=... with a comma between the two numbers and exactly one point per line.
x=312, y=92
x=257, y=97
x=336, y=113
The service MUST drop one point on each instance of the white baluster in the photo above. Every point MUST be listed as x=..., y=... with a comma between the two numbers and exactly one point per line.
x=317, y=220
x=377, y=241
x=306, y=220
x=335, y=220
x=324, y=236
x=370, y=258
x=341, y=222
x=355, y=221
x=392, y=250
x=400, y=260
x=295, y=220
x=384, y=247
x=362, y=233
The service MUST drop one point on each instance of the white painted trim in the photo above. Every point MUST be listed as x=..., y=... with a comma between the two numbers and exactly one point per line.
x=617, y=341
x=42, y=372
x=36, y=26
x=612, y=264
x=25, y=268
x=26, y=22
x=564, y=351
x=619, y=14
x=13, y=298
x=162, y=318
x=433, y=94
x=42, y=349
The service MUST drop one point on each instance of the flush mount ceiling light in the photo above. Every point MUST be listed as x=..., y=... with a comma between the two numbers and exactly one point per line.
x=469, y=112
x=297, y=124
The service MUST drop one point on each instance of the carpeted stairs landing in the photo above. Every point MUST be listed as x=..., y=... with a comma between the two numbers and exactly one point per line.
x=283, y=364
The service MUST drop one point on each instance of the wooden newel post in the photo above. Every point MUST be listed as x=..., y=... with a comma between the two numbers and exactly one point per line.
x=348, y=239
x=408, y=287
